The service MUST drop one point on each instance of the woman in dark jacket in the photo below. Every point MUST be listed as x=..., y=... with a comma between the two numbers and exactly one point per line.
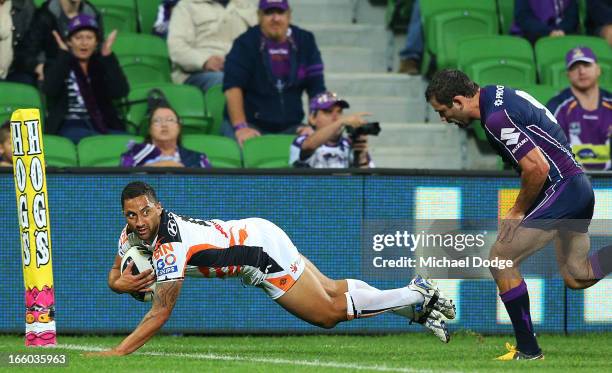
x=81, y=83
x=162, y=147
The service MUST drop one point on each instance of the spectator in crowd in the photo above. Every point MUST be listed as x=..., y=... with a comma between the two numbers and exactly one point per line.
x=81, y=83
x=6, y=147
x=15, y=19
x=599, y=19
x=412, y=54
x=53, y=15
x=164, y=11
x=201, y=33
x=162, y=147
x=266, y=72
x=534, y=19
x=584, y=110
x=327, y=146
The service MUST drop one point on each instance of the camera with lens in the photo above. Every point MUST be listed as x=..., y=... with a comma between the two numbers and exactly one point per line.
x=371, y=128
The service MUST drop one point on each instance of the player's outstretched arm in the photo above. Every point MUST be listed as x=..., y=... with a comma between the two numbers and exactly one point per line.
x=164, y=299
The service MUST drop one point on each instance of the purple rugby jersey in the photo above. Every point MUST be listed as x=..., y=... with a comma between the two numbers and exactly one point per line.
x=515, y=123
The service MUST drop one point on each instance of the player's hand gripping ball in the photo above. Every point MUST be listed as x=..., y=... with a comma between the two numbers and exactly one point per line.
x=142, y=261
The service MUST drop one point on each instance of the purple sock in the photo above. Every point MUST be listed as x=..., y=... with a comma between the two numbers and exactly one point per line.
x=516, y=301
x=601, y=262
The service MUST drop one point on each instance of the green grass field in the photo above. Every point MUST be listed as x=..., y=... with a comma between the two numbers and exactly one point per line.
x=466, y=352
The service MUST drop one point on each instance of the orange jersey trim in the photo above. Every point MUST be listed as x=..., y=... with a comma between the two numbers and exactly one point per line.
x=284, y=282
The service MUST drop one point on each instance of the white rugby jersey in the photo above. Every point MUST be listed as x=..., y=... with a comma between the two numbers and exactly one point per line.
x=206, y=248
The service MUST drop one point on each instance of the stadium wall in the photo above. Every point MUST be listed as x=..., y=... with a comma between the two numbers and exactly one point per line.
x=322, y=212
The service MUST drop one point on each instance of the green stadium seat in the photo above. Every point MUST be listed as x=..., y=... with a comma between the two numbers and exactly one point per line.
x=59, y=151
x=268, y=151
x=214, y=100
x=550, y=58
x=497, y=59
x=222, y=151
x=103, y=150
x=447, y=22
x=117, y=15
x=147, y=13
x=18, y=96
x=38, y=3
x=187, y=101
x=542, y=93
x=505, y=11
x=143, y=58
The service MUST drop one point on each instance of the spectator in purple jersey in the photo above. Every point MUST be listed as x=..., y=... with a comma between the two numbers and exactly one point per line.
x=534, y=19
x=162, y=147
x=584, y=110
x=266, y=72
x=555, y=202
x=599, y=19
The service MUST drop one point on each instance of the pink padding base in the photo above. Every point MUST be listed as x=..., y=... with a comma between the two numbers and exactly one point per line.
x=40, y=339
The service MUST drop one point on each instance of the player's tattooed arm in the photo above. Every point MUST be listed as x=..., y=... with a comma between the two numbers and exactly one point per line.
x=166, y=294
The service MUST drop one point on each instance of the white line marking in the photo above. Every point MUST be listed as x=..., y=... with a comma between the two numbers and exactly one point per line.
x=310, y=363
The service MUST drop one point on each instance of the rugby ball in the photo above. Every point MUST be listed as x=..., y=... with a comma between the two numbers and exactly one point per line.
x=142, y=261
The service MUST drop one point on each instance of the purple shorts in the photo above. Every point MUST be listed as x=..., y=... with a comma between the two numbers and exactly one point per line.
x=566, y=205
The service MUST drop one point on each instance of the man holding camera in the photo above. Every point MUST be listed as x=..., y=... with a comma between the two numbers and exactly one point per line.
x=328, y=147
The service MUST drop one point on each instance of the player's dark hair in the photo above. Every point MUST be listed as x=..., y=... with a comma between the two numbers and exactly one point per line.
x=449, y=83
x=137, y=189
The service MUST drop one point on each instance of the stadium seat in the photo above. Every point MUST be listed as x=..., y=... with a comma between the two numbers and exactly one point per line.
x=497, y=59
x=542, y=93
x=147, y=13
x=117, y=15
x=15, y=96
x=187, y=100
x=103, y=150
x=550, y=58
x=214, y=100
x=268, y=151
x=505, y=11
x=447, y=22
x=143, y=58
x=38, y=3
x=59, y=151
x=222, y=151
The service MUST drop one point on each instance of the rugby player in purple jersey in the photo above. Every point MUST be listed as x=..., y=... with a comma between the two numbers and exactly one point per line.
x=555, y=201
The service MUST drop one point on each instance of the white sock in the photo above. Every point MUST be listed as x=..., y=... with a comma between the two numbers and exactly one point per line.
x=371, y=302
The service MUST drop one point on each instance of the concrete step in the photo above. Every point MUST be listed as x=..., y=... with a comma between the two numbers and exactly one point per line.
x=352, y=59
x=417, y=145
x=375, y=84
x=322, y=11
x=400, y=135
x=388, y=109
x=364, y=36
